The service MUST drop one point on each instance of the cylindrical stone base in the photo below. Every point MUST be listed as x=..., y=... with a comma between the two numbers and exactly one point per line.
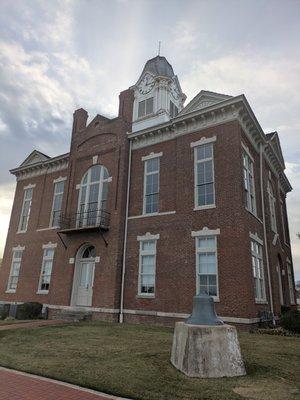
x=205, y=351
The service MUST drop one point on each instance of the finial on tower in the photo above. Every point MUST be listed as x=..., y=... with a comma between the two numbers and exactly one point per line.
x=159, y=44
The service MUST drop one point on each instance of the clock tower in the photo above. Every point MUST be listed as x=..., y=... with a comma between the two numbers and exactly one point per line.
x=157, y=95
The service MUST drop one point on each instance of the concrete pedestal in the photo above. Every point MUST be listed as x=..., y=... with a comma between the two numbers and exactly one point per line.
x=206, y=351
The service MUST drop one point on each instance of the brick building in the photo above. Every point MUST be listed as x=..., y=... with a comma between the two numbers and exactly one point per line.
x=151, y=207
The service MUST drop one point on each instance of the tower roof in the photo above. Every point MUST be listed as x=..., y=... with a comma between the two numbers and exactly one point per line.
x=159, y=66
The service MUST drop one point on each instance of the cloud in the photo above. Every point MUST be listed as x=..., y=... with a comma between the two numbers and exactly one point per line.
x=6, y=201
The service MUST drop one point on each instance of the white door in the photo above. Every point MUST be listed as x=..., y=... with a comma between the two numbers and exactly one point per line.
x=85, y=283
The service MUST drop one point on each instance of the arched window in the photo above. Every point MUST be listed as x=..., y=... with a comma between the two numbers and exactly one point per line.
x=93, y=196
x=272, y=201
x=89, y=252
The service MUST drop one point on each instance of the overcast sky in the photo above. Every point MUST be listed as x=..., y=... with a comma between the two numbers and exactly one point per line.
x=56, y=56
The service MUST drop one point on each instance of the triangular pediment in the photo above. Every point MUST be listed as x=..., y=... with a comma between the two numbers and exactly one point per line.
x=274, y=139
x=34, y=157
x=204, y=99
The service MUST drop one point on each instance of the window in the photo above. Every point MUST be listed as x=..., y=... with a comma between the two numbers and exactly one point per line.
x=151, y=185
x=46, y=270
x=14, y=271
x=147, y=267
x=249, y=183
x=206, y=253
x=290, y=281
x=173, y=110
x=25, y=209
x=145, y=107
x=93, y=194
x=282, y=221
x=204, y=176
x=57, y=202
x=258, y=271
x=272, y=207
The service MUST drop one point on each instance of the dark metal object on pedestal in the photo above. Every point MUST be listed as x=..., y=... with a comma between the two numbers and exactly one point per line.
x=203, y=311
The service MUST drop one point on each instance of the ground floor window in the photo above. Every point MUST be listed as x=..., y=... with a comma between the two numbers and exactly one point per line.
x=258, y=271
x=46, y=269
x=15, y=270
x=290, y=281
x=207, y=275
x=147, y=265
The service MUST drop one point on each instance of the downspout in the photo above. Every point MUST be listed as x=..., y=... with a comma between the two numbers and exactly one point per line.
x=121, y=314
x=265, y=232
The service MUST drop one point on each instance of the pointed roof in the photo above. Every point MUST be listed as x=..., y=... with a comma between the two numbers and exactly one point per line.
x=204, y=99
x=273, y=139
x=159, y=66
x=34, y=157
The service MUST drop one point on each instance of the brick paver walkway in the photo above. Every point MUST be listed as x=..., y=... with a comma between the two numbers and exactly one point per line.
x=16, y=385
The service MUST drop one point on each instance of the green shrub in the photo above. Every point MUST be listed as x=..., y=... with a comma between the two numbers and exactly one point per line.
x=29, y=310
x=4, y=310
x=291, y=321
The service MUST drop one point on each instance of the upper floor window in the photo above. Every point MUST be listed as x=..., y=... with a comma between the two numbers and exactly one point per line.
x=93, y=194
x=23, y=223
x=57, y=203
x=147, y=265
x=290, y=281
x=272, y=201
x=46, y=270
x=204, y=176
x=14, y=271
x=173, y=110
x=207, y=275
x=258, y=271
x=151, y=186
x=248, y=176
x=145, y=107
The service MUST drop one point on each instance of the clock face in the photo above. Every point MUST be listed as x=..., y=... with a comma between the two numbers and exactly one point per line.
x=146, y=84
x=174, y=90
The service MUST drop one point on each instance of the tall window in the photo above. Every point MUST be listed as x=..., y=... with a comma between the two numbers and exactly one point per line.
x=272, y=207
x=258, y=271
x=207, y=275
x=147, y=267
x=173, y=110
x=145, y=107
x=290, y=281
x=204, y=176
x=57, y=202
x=25, y=209
x=249, y=183
x=93, y=196
x=151, y=185
x=46, y=270
x=14, y=271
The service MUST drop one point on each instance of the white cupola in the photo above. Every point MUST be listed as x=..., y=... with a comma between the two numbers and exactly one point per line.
x=157, y=95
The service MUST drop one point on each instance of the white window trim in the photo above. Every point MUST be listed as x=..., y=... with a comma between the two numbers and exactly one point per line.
x=144, y=186
x=152, y=214
x=46, y=258
x=152, y=155
x=196, y=235
x=141, y=239
x=141, y=99
x=14, y=249
x=196, y=162
x=203, y=140
x=260, y=242
x=55, y=194
x=253, y=212
x=272, y=206
x=282, y=221
x=30, y=186
x=290, y=282
x=60, y=179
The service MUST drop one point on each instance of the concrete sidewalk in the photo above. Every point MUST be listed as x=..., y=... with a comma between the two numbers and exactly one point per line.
x=15, y=385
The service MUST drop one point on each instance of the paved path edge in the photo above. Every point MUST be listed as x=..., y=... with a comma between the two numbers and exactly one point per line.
x=66, y=384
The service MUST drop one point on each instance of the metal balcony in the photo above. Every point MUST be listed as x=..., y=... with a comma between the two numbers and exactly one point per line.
x=90, y=220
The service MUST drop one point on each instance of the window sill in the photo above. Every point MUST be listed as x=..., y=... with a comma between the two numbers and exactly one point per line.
x=152, y=214
x=261, y=301
x=21, y=232
x=10, y=291
x=254, y=215
x=145, y=296
x=42, y=292
x=205, y=207
x=216, y=299
x=47, y=229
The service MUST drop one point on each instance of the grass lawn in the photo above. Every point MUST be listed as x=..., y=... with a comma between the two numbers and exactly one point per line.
x=15, y=321
x=133, y=361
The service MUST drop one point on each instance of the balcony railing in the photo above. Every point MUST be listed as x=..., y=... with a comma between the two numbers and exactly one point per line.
x=91, y=219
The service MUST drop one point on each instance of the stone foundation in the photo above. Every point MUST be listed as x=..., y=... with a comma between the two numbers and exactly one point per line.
x=205, y=351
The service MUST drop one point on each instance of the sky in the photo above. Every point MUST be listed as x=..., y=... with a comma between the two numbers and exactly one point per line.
x=56, y=56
